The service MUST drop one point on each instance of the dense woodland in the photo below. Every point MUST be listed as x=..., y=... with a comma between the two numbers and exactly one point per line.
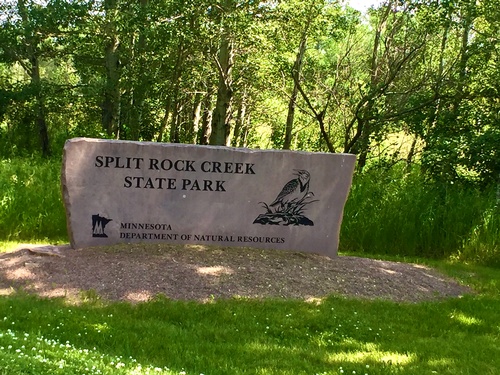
x=412, y=88
x=411, y=81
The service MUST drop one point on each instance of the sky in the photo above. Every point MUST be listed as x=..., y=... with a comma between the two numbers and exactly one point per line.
x=363, y=5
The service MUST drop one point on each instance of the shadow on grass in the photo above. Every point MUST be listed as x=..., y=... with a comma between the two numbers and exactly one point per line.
x=457, y=336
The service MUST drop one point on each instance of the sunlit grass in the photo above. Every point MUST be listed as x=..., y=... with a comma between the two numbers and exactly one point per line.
x=44, y=356
x=399, y=213
x=13, y=245
x=372, y=355
x=8, y=245
x=31, y=205
x=464, y=319
x=243, y=336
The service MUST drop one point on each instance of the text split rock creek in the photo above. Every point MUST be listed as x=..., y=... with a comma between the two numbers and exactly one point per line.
x=173, y=165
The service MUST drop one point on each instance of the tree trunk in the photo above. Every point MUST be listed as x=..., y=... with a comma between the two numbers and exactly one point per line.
x=498, y=192
x=244, y=132
x=206, y=120
x=175, y=123
x=462, y=66
x=34, y=72
x=297, y=67
x=363, y=145
x=139, y=90
x=240, y=121
x=40, y=108
x=164, y=121
x=360, y=142
x=221, y=119
x=411, y=153
x=431, y=122
x=174, y=92
x=196, y=118
x=111, y=102
x=318, y=116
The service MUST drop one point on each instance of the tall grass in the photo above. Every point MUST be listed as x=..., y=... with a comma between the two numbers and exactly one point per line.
x=483, y=244
x=397, y=213
x=31, y=205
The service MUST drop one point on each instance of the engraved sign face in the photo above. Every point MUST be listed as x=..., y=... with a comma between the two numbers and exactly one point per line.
x=124, y=192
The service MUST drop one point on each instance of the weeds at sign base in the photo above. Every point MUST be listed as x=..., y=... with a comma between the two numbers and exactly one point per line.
x=388, y=212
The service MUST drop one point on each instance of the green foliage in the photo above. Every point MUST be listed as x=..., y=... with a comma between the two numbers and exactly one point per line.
x=399, y=213
x=483, y=244
x=427, y=69
x=31, y=205
x=483, y=156
x=333, y=336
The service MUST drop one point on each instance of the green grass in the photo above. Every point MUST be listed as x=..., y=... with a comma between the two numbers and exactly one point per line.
x=31, y=207
x=238, y=336
x=400, y=214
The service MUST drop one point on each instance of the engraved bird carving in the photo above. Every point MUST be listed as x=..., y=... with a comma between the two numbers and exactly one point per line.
x=294, y=190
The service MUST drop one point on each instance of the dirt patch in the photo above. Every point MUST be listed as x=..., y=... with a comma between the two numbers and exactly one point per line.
x=138, y=272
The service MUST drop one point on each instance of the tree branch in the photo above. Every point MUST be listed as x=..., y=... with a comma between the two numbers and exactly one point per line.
x=318, y=116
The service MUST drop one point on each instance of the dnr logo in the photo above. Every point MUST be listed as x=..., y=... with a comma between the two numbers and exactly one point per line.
x=98, y=225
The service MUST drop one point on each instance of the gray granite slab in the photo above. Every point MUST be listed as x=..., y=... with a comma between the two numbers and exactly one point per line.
x=125, y=192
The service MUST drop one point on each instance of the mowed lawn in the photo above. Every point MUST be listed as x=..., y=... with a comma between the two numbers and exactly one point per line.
x=336, y=335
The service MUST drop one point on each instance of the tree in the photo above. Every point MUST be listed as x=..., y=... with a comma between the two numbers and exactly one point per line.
x=111, y=100
x=461, y=126
x=312, y=12
x=224, y=64
x=33, y=34
x=398, y=42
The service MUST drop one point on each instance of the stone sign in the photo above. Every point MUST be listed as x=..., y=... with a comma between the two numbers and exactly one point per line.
x=124, y=192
